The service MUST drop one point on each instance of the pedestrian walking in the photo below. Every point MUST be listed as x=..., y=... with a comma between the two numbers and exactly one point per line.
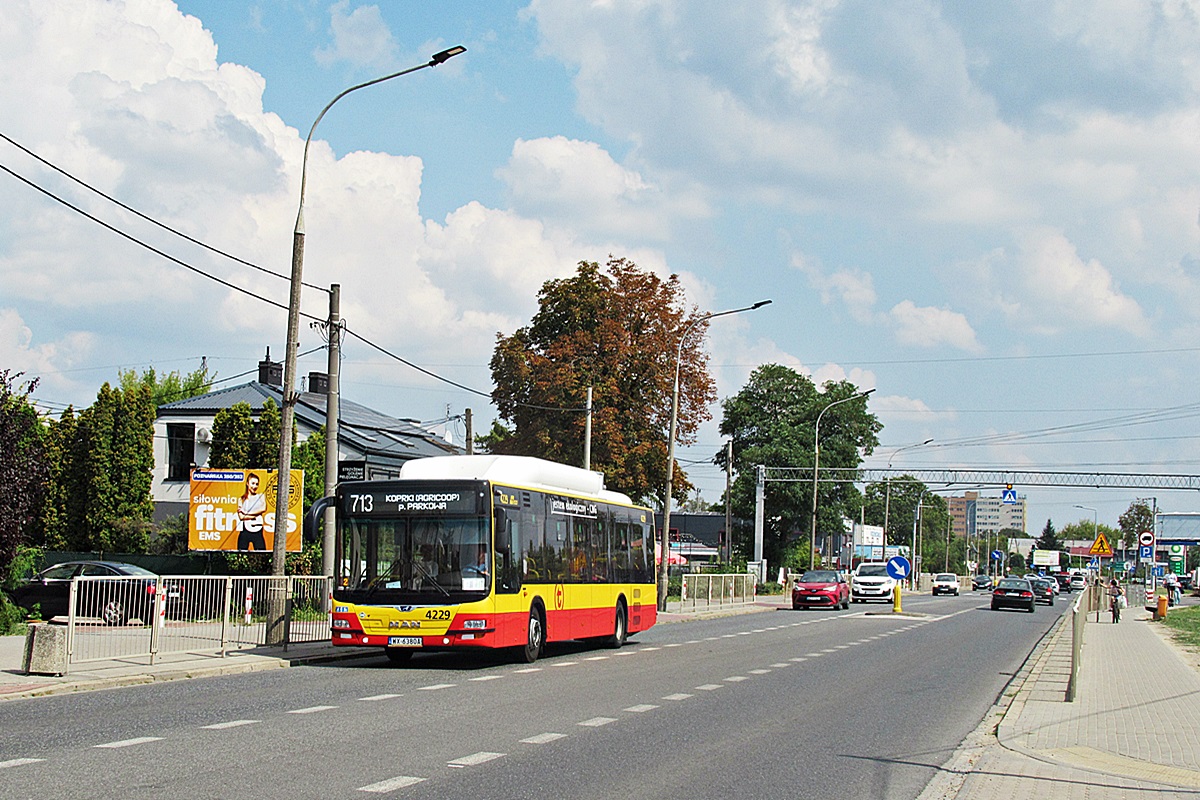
x=1174, y=595
x=1116, y=599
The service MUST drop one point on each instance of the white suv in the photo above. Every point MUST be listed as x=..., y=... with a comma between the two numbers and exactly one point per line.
x=945, y=583
x=871, y=582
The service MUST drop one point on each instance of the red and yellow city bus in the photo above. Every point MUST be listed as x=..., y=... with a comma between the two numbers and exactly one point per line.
x=490, y=551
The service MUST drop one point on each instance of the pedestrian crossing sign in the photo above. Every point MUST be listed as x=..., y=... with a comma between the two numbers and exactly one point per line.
x=1100, y=547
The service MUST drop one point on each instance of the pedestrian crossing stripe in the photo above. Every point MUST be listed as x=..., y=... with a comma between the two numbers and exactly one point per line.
x=1100, y=547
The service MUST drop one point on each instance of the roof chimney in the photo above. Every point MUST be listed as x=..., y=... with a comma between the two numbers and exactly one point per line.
x=270, y=372
x=318, y=383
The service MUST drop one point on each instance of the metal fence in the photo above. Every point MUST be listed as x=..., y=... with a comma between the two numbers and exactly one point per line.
x=133, y=617
x=1088, y=601
x=700, y=591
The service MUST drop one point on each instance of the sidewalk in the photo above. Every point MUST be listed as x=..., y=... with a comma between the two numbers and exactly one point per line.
x=14, y=683
x=1132, y=732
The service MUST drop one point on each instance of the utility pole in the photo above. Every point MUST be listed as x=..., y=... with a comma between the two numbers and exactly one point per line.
x=467, y=419
x=328, y=541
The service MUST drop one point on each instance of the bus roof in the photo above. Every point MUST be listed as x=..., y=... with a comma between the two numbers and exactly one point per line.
x=522, y=471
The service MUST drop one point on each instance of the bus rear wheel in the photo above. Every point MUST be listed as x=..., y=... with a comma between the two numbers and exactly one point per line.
x=621, y=629
x=535, y=639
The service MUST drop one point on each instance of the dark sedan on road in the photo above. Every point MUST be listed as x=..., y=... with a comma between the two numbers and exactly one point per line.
x=981, y=581
x=111, y=591
x=821, y=588
x=1013, y=593
x=1043, y=590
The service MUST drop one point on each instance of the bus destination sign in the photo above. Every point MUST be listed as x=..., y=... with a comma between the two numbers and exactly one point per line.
x=367, y=501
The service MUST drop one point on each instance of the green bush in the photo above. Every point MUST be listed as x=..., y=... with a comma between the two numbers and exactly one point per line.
x=12, y=617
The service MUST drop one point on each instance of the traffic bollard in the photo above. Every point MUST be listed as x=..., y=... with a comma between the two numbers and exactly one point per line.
x=896, y=609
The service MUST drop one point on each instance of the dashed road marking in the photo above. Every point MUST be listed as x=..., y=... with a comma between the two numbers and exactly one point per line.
x=736, y=679
x=544, y=738
x=781, y=665
x=678, y=696
x=391, y=785
x=311, y=709
x=486, y=678
x=19, y=762
x=237, y=723
x=376, y=697
x=528, y=669
x=596, y=722
x=435, y=687
x=596, y=658
x=474, y=759
x=759, y=671
x=708, y=687
x=642, y=708
x=130, y=742
x=564, y=664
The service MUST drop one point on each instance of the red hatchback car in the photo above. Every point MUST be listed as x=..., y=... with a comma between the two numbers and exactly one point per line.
x=821, y=588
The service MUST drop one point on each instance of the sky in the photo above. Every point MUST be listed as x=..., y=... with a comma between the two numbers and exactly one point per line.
x=987, y=212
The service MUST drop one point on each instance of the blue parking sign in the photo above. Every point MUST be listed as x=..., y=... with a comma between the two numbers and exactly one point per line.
x=1146, y=553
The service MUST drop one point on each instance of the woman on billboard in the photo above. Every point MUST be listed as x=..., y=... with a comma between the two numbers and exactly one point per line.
x=251, y=509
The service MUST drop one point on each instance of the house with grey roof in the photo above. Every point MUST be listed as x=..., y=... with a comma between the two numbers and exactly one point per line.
x=371, y=445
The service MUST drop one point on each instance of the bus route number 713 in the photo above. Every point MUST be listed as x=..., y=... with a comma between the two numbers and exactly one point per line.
x=362, y=503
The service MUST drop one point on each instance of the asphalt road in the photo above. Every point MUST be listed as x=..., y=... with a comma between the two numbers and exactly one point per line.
x=805, y=703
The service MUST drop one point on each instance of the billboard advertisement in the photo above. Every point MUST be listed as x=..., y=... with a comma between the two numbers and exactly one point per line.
x=234, y=510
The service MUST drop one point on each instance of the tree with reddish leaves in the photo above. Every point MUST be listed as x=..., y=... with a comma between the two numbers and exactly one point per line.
x=23, y=468
x=615, y=329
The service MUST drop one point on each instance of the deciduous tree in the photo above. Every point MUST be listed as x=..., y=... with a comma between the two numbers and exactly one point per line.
x=772, y=422
x=23, y=463
x=616, y=330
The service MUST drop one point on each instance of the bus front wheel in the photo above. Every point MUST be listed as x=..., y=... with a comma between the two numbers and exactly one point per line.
x=535, y=639
x=621, y=631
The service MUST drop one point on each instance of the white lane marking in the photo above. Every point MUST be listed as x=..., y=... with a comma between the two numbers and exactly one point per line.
x=674, y=644
x=626, y=653
x=711, y=638
x=781, y=665
x=641, y=709
x=391, y=785
x=759, y=671
x=693, y=641
x=596, y=722
x=474, y=759
x=434, y=687
x=747, y=633
x=486, y=678
x=596, y=658
x=677, y=696
x=130, y=742
x=736, y=678
x=376, y=697
x=565, y=664
x=311, y=709
x=799, y=659
x=759, y=630
x=840, y=647
x=708, y=687
x=19, y=762
x=729, y=636
x=814, y=655
x=237, y=723
x=543, y=738
x=647, y=649
x=527, y=669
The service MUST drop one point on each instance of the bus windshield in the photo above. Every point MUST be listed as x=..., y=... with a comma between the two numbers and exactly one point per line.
x=414, y=559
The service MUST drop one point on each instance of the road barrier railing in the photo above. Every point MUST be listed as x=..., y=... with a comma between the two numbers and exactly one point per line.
x=700, y=591
x=132, y=617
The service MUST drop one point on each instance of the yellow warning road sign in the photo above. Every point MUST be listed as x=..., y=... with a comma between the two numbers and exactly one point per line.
x=1100, y=547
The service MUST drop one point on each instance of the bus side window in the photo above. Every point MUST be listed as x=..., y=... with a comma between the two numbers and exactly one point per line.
x=508, y=576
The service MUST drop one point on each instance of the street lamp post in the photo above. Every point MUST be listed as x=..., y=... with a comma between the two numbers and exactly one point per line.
x=665, y=537
x=1095, y=522
x=812, y=538
x=288, y=412
x=887, y=493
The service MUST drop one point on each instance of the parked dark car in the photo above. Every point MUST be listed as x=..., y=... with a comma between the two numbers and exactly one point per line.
x=1013, y=593
x=821, y=588
x=113, y=591
x=1043, y=590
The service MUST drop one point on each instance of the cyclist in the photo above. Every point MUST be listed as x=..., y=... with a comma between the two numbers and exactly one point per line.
x=1115, y=595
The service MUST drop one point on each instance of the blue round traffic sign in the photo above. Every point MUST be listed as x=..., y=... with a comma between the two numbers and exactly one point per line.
x=898, y=567
x=997, y=555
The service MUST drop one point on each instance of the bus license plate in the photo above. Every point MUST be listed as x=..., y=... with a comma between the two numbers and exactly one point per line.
x=404, y=641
